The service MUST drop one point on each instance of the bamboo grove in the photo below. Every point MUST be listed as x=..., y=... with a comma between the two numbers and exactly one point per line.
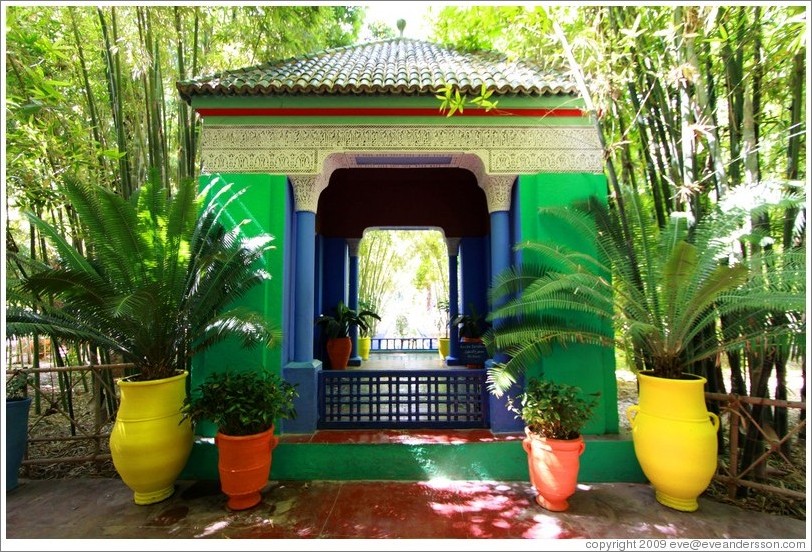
x=90, y=96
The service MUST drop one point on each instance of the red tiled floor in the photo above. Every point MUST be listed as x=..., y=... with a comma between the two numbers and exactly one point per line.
x=397, y=511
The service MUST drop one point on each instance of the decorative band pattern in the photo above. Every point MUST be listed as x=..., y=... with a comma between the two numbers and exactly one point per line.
x=301, y=149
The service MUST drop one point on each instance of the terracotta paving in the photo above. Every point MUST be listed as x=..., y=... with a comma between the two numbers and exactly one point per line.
x=103, y=509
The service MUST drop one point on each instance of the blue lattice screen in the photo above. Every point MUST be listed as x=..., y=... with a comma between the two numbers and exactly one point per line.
x=448, y=398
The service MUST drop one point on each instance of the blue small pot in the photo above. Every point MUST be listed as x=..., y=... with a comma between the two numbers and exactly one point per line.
x=16, y=438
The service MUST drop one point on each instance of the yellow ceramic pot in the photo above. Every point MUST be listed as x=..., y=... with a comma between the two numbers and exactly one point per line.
x=445, y=347
x=149, y=444
x=674, y=438
x=364, y=346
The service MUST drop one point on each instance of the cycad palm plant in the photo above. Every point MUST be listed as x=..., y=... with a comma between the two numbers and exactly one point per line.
x=156, y=280
x=658, y=293
x=157, y=283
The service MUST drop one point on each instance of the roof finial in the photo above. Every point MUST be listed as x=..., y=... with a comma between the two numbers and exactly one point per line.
x=401, y=26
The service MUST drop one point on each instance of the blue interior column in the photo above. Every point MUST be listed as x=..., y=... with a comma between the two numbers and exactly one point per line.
x=352, y=298
x=303, y=370
x=453, y=358
x=498, y=191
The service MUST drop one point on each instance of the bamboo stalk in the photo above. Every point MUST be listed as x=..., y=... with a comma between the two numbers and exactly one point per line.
x=98, y=137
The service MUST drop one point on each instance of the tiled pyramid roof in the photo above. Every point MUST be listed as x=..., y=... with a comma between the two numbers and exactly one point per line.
x=397, y=66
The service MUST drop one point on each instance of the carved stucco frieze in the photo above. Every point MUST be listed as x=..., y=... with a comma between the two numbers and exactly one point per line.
x=295, y=150
x=453, y=245
x=353, y=244
x=306, y=191
x=497, y=191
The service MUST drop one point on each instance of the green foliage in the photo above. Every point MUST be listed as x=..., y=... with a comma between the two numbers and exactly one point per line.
x=380, y=30
x=472, y=324
x=431, y=274
x=155, y=280
x=554, y=410
x=370, y=328
x=444, y=306
x=378, y=259
x=453, y=102
x=108, y=118
x=17, y=386
x=664, y=291
x=339, y=323
x=512, y=30
x=241, y=403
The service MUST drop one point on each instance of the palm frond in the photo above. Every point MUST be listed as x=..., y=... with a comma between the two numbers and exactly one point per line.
x=250, y=327
x=25, y=322
x=67, y=253
x=668, y=289
x=158, y=276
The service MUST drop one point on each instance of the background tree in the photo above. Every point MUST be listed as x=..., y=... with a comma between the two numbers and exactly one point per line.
x=377, y=260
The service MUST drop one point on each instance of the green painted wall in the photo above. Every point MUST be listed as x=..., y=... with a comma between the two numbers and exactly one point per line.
x=606, y=459
x=590, y=367
x=263, y=206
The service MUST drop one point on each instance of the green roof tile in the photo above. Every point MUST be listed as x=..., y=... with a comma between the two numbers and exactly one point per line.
x=397, y=66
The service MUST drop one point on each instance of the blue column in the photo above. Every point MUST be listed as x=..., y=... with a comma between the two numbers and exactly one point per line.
x=500, y=242
x=502, y=420
x=304, y=369
x=304, y=286
x=453, y=245
x=352, y=298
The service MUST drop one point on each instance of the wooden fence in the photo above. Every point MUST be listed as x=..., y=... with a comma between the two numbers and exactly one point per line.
x=72, y=412
x=738, y=412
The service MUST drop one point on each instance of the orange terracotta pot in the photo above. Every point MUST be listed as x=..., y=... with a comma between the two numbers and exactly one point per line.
x=244, y=465
x=339, y=349
x=553, y=466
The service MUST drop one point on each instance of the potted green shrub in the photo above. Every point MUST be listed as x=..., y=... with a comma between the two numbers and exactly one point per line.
x=18, y=406
x=336, y=329
x=554, y=415
x=244, y=406
x=660, y=297
x=472, y=327
x=155, y=282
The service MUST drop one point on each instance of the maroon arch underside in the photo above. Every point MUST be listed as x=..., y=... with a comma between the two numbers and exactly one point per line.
x=447, y=198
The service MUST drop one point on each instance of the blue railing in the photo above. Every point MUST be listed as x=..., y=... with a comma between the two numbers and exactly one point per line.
x=404, y=344
x=448, y=398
